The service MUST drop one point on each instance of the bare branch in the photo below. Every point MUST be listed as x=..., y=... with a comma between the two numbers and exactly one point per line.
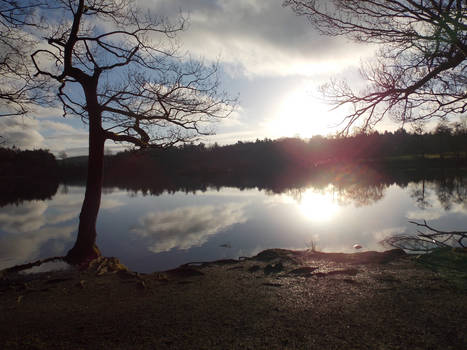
x=18, y=89
x=427, y=241
x=419, y=71
x=158, y=98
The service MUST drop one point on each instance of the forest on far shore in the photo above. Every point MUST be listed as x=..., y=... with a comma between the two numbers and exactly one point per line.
x=444, y=146
x=365, y=161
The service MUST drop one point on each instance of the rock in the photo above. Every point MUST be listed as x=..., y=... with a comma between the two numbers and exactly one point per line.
x=304, y=271
x=276, y=268
x=184, y=271
x=267, y=255
x=254, y=268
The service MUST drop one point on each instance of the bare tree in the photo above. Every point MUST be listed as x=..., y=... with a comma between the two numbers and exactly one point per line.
x=119, y=72
x=428, y=240
x=17, y=88
x=419, y=71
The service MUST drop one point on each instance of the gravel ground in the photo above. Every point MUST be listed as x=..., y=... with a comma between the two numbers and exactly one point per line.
x=277, y=300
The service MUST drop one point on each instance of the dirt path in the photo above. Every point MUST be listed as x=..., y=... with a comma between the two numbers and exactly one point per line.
x=277, y=300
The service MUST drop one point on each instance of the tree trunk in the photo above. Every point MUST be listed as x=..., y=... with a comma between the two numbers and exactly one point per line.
x=85, y=248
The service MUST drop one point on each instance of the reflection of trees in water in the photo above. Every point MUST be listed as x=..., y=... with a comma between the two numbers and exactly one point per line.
x=358, y=185
x=351, y=184
x=449, y=190
x=418, y=191
x=17, y=190
x=361, y=194
x=362, y=186
x=460, y=190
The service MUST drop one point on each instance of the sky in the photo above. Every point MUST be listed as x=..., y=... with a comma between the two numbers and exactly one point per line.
x=270, y=58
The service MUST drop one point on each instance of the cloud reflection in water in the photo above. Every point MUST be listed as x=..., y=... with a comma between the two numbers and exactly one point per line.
x=24, y=218
x=187, y=227
x=36, y=229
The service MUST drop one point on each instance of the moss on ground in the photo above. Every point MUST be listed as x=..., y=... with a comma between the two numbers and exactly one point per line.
x=449, y=263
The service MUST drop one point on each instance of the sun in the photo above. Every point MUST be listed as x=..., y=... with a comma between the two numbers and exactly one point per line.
x=317, y=206
x=300, y=113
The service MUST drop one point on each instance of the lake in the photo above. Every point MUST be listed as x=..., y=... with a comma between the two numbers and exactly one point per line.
x=149, y=232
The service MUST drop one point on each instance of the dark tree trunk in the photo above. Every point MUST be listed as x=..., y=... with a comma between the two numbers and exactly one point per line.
x=85, y=248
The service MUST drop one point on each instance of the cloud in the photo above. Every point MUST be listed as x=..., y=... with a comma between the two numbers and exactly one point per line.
x=427, y=214
x=257, y=37
x=25, y=218
x=17, y=249
x=388, y=232
x=21, y=132
x=252, y=40
x=46, y=112
x=33, y=215
x=25, y=229
x=109, y=204
x=31, y=133
x=187, y=227
x=58, y=127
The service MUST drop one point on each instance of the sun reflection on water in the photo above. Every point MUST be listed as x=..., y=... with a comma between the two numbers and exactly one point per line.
x=318, y=206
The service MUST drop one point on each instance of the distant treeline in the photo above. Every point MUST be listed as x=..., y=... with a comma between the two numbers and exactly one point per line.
x=155, y=172
x=36, y=163
x=284, y=164
x=263, y=157
x=27, y=175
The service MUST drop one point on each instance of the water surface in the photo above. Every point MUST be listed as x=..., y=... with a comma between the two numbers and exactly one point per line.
x=157, y=232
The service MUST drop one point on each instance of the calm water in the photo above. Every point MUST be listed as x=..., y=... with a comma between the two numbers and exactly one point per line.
x=150, y=233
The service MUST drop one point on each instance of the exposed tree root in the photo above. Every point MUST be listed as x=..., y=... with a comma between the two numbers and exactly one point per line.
x=22, y=267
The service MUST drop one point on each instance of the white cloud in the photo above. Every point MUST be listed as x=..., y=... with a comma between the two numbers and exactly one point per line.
x=45, y=112
x=57, y=126
x=109, y=204
x=427, y=214
x=32, y=133
x=26, y=247
x=187, y=227
x=251, y=39
x=388, y=232
x=25, y=218
x=25, y=228
x=258, y=37
x=21, y=132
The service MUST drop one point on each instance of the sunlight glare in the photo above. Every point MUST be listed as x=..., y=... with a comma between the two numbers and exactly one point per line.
x=302, y=114
x=318, y=207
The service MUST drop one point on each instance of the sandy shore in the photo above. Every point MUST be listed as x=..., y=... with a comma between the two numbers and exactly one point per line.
x=277, y=300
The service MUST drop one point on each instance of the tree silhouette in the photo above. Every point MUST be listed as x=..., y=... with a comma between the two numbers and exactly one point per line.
x=419, y=70
x=18, y=90
x=118, y=71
